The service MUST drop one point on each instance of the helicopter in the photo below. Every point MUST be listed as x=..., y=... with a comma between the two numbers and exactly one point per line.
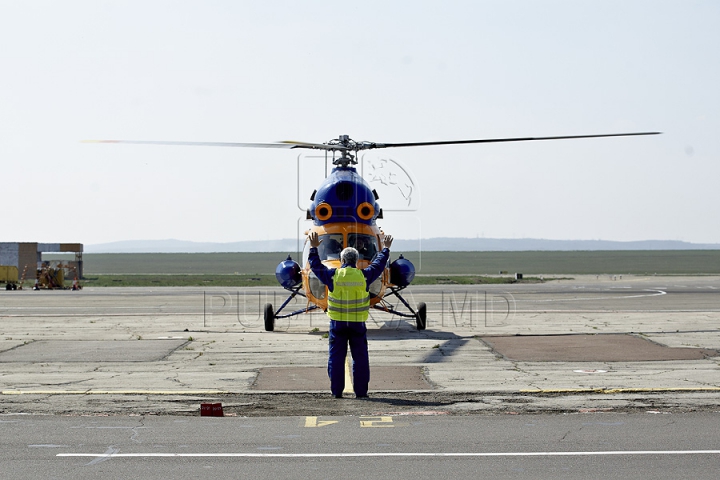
x=344, y=211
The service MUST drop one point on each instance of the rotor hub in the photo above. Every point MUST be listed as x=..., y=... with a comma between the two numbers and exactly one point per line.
x=347, y=148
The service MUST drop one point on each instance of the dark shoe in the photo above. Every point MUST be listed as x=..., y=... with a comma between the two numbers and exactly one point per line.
x=361, y=396
x=338, y=396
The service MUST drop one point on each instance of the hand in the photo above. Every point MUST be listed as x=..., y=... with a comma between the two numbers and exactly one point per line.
x=388, y=241
x=314, y=239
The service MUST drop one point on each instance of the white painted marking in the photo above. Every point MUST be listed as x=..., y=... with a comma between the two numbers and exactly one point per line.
x=348, y=377
x=108, y=455
x=653, y=293
x=103, y=456
x=590, y=371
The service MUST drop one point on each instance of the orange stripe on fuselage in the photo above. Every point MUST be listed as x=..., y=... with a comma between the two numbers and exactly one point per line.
x=345, y=228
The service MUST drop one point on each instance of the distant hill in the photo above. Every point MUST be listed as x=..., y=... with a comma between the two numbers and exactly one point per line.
x=429, y=244
x=535, y=244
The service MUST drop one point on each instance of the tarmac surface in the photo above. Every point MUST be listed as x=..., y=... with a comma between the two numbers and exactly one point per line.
x=591, y=343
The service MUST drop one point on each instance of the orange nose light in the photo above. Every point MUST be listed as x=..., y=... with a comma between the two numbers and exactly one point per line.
x=365, y=211
x=323, y=211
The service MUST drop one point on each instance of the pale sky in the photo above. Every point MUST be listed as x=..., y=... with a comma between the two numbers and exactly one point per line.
x=383, y=71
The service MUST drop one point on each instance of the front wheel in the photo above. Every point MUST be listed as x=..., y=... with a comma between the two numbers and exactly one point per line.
x=269, y=317
x=421, y=316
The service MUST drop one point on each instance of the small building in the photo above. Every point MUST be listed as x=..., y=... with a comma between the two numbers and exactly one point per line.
x=27, y=256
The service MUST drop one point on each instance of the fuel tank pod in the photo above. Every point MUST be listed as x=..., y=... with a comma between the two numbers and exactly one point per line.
x=402, y=272
x=288, y=273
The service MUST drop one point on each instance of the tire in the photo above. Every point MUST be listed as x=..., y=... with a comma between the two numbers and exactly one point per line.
x=421, y=316
x=269, y=315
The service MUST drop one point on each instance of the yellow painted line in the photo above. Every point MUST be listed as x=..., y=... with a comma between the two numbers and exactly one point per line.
x=378, y=422
x=623, y=390
x=348, y=377
x=311, y=422
x=114, y=392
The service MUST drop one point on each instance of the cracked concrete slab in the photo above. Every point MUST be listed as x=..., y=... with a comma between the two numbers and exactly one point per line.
x=590, y=348
x=382, y=378
x=91, y=351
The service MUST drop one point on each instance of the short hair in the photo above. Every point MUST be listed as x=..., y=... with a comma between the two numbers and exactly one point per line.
x=349, y=256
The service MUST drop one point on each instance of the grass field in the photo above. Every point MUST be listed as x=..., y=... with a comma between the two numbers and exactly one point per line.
x=258, y=265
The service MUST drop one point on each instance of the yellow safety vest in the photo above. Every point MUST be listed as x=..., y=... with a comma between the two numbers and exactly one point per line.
x=349, y=301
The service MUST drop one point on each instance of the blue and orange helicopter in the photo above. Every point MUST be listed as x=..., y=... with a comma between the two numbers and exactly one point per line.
x=344, y=211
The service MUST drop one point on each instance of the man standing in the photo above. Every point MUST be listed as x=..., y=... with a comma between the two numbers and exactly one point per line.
x=348, y=307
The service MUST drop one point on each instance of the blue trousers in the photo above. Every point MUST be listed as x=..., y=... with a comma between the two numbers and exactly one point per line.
x=341, y=334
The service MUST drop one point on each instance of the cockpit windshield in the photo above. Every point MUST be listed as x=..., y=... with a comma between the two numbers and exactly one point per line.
x=332, y=244
x=366, y=245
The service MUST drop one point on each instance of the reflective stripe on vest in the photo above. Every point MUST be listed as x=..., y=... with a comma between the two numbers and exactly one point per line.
x=349, y=301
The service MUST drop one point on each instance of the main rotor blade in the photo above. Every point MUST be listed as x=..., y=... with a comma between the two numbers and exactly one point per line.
x=289, y=144
x=196, y=144
x=496, y=140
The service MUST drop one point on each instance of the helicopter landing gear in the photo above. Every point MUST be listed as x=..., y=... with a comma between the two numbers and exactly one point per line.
x=421, y=316
x=269, y=315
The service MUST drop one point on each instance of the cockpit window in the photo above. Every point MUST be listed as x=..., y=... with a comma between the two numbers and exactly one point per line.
x=330, y=246
x=366, y=245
